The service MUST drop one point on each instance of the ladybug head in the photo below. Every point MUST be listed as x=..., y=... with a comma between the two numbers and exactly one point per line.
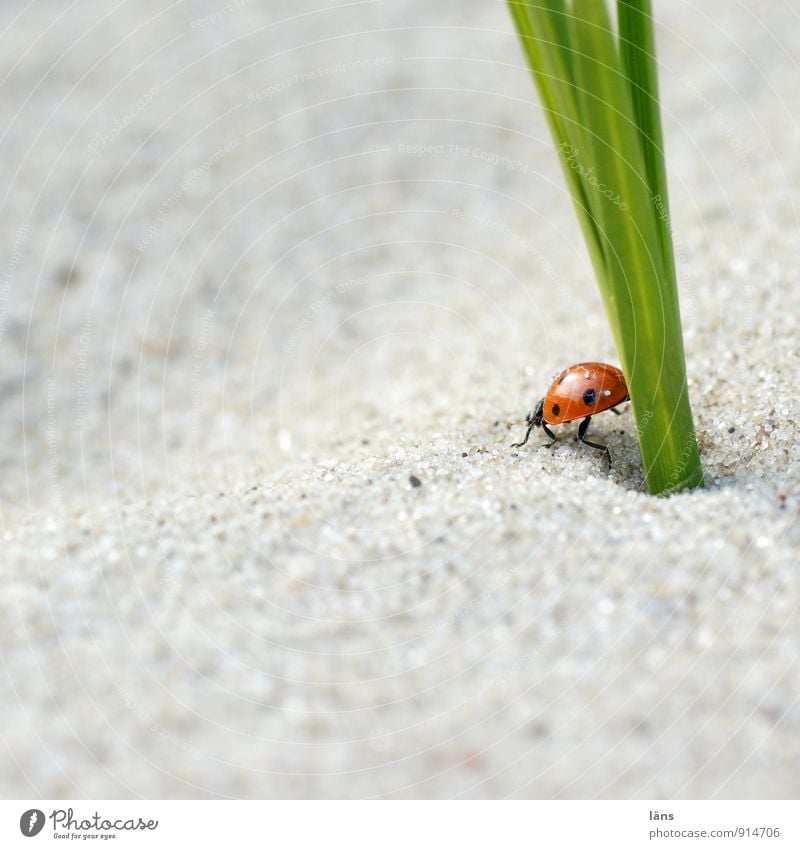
x=535, y=418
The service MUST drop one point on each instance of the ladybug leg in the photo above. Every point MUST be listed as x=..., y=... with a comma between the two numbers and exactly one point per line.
x=527, y=434
x=584, y=426
x=615, y=411
x=550, y=433
x=545, y=428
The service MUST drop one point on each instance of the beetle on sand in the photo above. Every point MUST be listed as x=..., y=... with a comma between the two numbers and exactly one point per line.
x=581, y=391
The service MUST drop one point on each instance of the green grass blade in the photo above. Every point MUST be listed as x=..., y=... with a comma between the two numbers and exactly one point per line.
x=542, y=29
x=615, y=163
x=640, y=287
x=611, y=154
x=638, y=57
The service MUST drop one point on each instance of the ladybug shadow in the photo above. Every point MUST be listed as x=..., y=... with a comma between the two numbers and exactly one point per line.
x=612, y=450
x=626, y=469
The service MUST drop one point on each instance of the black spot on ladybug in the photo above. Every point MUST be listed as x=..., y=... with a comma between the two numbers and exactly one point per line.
x=589, y=397
x=414, y=481
x=555, y=409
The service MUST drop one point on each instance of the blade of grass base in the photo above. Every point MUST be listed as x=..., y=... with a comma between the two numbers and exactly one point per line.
x=638, y=59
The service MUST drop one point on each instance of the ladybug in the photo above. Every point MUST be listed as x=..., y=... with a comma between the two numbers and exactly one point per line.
x=580, y=391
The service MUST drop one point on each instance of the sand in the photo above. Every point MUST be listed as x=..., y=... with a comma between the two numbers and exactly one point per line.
x=261, y=266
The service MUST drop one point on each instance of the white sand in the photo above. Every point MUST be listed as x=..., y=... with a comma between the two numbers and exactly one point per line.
x=217, y=578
